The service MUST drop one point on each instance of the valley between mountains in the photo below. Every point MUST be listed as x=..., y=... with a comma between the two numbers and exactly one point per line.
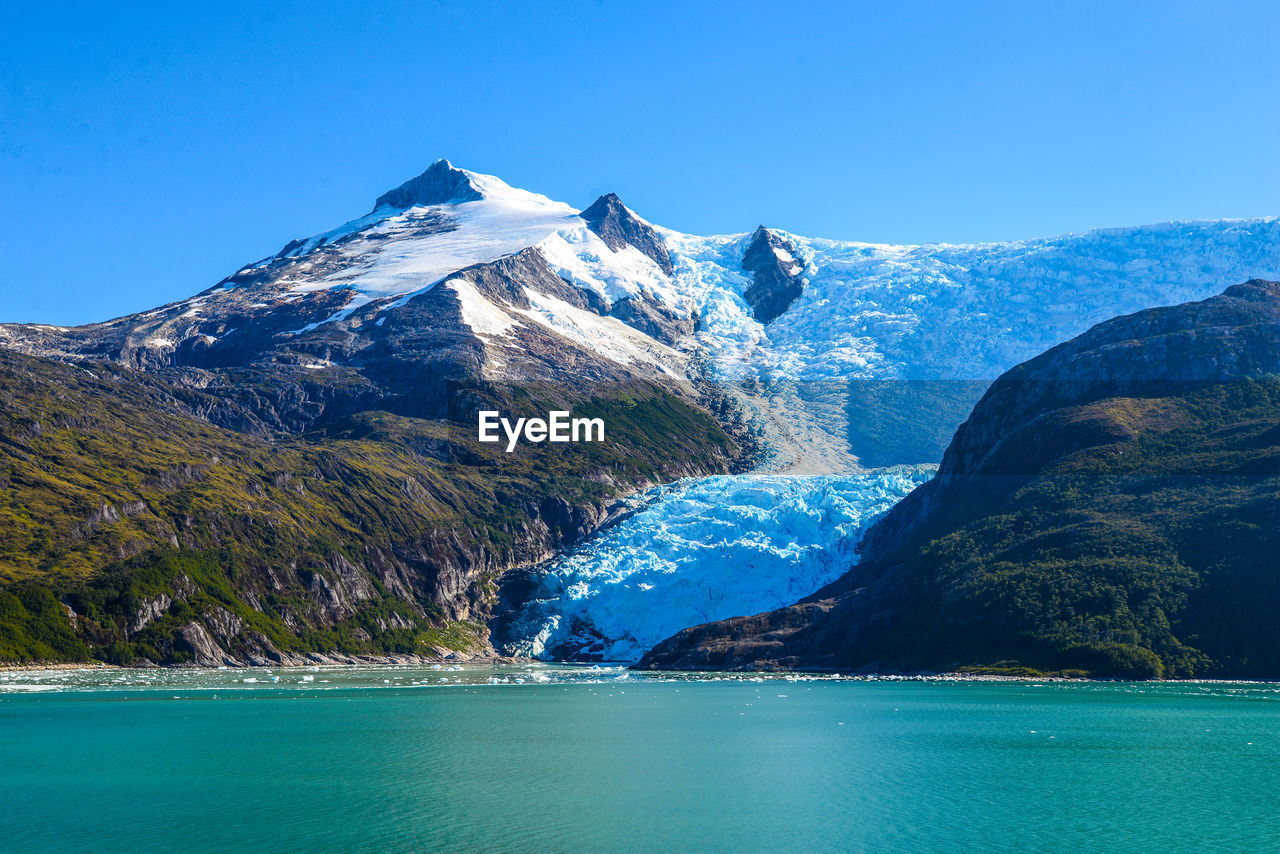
x=284, y=468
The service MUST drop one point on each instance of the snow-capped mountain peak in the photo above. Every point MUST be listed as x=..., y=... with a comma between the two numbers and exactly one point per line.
x=448, y=219
x=440, y=184
x=618, y=226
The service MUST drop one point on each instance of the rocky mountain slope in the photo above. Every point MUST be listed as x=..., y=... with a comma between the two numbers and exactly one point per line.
x=130, y=529
x=1109, y=507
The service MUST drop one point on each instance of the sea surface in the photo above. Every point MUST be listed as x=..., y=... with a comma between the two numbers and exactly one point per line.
x=554, y=758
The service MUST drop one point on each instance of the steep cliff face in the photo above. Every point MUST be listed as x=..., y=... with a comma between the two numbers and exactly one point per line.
x=1109, y=507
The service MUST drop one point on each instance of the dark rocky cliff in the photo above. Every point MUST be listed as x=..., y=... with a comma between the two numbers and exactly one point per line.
x=775, y=268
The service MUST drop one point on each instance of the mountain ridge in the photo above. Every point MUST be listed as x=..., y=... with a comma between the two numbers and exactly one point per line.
x=812, y=349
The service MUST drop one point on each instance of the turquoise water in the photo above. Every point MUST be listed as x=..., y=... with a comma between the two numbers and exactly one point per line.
x=394, y=759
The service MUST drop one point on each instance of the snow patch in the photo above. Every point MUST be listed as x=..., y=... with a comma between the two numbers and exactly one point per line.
x=482, y=316
x=401, y=258
x=357, y=301
x=605, y=336
x=579, y=256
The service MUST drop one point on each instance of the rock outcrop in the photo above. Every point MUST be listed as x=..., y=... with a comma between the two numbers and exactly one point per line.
x=617, y=226
x=775, y=267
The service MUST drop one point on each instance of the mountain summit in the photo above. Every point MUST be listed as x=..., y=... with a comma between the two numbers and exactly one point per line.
x=618, y=226
x=440, y=184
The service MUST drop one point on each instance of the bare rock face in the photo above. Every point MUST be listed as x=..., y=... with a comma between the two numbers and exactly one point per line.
x=654, y=319
x=441, y=184
x=150, y=609
x=225, y=624
x=617, y=226
x=775, y=266
x=195, y=639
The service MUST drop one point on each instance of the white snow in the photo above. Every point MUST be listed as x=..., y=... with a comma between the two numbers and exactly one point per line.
x=578, y=255
x=700, y=550
x=357, y=301
x=400, y=260
x=943, y=312
x=605, y=336
x=482, y=316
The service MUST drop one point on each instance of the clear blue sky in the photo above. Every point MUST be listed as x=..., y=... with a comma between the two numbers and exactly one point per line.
x=145, y=152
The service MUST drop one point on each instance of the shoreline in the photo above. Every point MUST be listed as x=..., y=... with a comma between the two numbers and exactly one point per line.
x=309, y=660
x=410, y=661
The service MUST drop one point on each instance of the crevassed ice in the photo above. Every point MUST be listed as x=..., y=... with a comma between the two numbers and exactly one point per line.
x=702, y=549
x=944, y=311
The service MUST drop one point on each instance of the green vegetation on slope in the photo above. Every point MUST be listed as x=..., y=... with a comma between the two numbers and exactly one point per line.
x=1150, y=557
x=381, y=534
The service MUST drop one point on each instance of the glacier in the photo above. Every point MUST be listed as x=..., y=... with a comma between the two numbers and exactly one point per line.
x=972, y=311
x=697, y=550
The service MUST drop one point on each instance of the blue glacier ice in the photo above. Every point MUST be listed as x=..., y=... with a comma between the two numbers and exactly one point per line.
x=702, y=549
x=947, y=311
